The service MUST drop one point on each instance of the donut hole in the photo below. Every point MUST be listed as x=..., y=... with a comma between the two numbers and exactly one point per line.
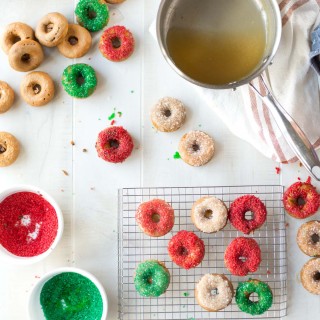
x=25, y=58
x=73, y=40
x=195, y=147
x=3, y=148
x=155, y=217
x=249, y=215
x=91, y=13
x=48, y=27
x=182, y=251
x=116, y=42
x=316, y=276
x=112, y=144
x=243, y=259
x=36, y=88
x=15, y=38
x=80, y=79
x=208, y=214
x=214, y=292
x=301, y=201
x=149, y=280
x=167, y=113
x=315, y=238
x=253, y=297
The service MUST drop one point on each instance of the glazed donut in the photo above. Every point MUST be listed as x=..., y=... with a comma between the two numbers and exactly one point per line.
x=37, y=89
x=114, y=144
x=243, y=255
x=209, y=214
x=155, y=217
x=25, y=55
x=13, y=33
x=9, y=149
x=168, y=114
x=214, y=292
x=116, y=43
x=308, y=238
x=301, y=200
x=196, y=148
x=76, y=43
x=152, y=278
x=239, y=208
x=186, y=249
x=310, y=276
x=52, y=29
x=6, y=97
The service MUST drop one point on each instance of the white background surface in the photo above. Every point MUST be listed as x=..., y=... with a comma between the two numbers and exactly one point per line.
x=88, y=195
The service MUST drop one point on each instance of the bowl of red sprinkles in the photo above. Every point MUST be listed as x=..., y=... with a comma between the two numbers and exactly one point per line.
x=31, y=224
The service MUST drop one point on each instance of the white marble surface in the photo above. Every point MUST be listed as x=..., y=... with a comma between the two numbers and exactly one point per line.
x=88, y=195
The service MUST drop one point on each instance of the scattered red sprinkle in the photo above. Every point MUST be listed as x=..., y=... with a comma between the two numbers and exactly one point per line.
x=113, y=122
x=278, y=170
x=299, y=178
x=268, y=272
x=308, y=180
x=287, y=224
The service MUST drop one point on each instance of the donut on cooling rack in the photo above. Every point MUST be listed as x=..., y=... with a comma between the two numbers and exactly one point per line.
x=155, y=217
x=308, y=238
x=243, y=255
x=214, y=292
x=310, y=276
x=242, y=205
x=186, y=249
x=301, y=200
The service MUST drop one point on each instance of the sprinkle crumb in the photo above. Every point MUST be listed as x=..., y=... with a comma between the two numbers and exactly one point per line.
x=277, y=170
x=300, y=164
x=299, y=178
x=37, y=277
x=65, y=172
x=287, y=224
x=119, y=114
x=113, y=122
x=308, y=180
x=132, y=91
x=177, y=155
x=72, y=142
x=92, y=188
x=84, y=150
x=186, y=294
x=62, y=190
x=112, y=116
x=268, y=272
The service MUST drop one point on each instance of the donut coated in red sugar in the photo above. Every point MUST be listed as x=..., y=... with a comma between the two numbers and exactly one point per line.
x=114, y=144
x=186, y=249
x=244, y=204
x=116, y=43
x=155, y=217
x=246, y=248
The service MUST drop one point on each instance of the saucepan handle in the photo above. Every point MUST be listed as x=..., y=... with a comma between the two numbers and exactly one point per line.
x=292, y=133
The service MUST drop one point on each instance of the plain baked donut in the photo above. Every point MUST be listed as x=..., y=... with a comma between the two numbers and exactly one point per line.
x=9, y=149
x=308, y=238
x=310, y=276
x=6, y=97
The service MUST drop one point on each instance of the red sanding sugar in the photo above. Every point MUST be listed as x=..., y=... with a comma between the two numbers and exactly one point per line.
x=28, y=224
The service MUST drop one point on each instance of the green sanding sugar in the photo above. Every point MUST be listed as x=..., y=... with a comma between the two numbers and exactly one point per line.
x=71, y=296
x=112, y=116
x=186, y=294
x=177, y=155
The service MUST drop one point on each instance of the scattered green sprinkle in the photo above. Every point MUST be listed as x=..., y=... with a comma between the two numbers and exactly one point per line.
x=186, y=294
x=112, y=116
x=99, y=119
x=119, y=114
x=200, y=125
x=177, y=155
x=132, y=91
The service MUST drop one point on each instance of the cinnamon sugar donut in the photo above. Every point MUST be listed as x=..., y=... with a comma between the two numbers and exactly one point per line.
x=308, y=238
x=310, y=276
x=6, y=97
x=9, y=149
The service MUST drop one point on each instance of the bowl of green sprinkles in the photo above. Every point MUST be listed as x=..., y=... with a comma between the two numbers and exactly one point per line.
x=68, y=294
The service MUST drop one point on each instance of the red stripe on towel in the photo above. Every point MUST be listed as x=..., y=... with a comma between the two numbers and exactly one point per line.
x=294, y=7
x=283, y=3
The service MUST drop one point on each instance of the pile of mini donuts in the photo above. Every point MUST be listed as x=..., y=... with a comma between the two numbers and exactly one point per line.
x=301, y=200
x=209, y=214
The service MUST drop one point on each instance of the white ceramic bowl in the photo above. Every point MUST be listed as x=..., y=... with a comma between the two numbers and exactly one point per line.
x=10, y=258
x=34, y=306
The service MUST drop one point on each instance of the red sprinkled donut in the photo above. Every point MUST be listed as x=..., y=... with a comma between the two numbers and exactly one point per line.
x=238, y=209
x=114, y=144
x=155, y=217
x=116, y=43
x=301, y=200
x=242, y=255
x=186, y=249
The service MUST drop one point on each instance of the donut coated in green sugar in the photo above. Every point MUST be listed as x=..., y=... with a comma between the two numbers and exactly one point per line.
x=151, y=279
x=265, y=296
x=79, y=80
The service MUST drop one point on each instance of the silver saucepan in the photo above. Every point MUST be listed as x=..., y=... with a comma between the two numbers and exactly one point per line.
x=204, y=15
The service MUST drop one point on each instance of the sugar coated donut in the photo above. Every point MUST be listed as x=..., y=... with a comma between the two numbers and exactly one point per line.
x=25, y=55
x=114, y=144
x=13, y=33
x=301, y=200
x=168, y=114
x=308, y=238
x=214, y=292
x=265, y=296
x=76, y=43
x=92, y=14
x=37, y=88
x=155, y=217
x=116, y=43
x=6, y=97
x=186, y=249
x=196, y=148
x=152, y=278
x=243, y=255
x=209, y=214
x=310, y=276
x=9, y=149
x=239, y=208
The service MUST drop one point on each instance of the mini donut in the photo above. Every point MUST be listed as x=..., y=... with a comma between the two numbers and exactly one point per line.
x=186, y=249
x=6, y=97
x=155, y=217
x=168, y=114
x=242, y=205
x=243, y=255
x=9, y=149
x=116, y=43
x=37, y=88
x=209, y=214
x=52, y=29
x=114, y=144
x=308, y=238
x=114, y=1
x=196, y=148
x=214, y=292
x=92, y=14
x=76, y=43
x=301, y=200
x=13, y=33
x=310, y=276
x=25, y=55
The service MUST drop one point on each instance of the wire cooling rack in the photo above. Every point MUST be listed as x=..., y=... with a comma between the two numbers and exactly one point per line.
x=178, y=302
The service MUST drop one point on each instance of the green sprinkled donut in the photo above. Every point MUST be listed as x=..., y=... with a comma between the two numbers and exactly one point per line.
x=79, y=80
x=92, y=14
x=152, y=278
x=245, y=289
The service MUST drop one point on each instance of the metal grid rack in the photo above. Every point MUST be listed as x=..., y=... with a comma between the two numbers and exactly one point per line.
x=178, y=302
